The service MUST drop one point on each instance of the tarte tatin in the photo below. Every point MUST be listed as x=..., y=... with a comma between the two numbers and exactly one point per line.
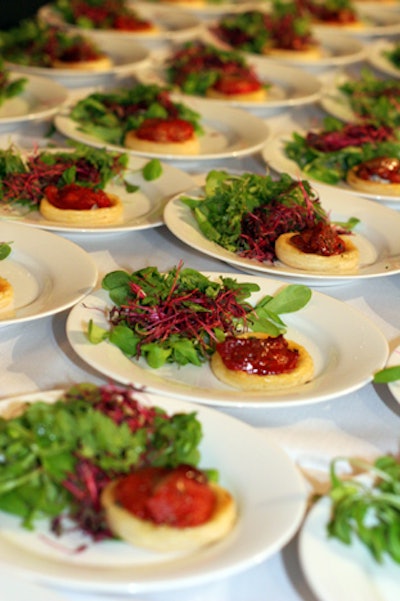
x=168, y=510
x=378, y=176
x=257, y=361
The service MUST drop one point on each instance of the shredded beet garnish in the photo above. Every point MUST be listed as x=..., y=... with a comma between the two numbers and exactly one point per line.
x=349, y=135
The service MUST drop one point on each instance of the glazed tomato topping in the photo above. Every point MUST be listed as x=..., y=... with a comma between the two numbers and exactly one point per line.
x=165, y=130
x=258, y=356
x=386, y=168
x=320, y=239
x=131, y=23
x=179, y=497
x=237, y=83
x=76, y=197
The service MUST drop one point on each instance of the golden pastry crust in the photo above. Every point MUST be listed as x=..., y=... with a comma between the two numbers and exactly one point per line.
x=379, y=188
x=314, y=52
x=102, y=63
x=95, y=217
x=164, y=538
x=303, y=372
x=188, y=147
x=346, y=262
x=6, y=295
x=256, y=96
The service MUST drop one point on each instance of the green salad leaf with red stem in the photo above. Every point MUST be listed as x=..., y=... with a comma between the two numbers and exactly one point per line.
x=179, y=316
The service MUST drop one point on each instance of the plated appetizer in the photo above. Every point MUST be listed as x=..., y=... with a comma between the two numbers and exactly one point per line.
x=142, y=118
x=199, y=318
x=65, y=186
x=34, y=43
x=202, y=69
x=285, y=31
x=146, y=488
x=260, y=218
x=340, y=13
x=116, y=15
x=364, y=155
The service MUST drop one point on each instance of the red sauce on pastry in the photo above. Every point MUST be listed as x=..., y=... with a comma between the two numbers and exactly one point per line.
x=320, y=239
x=76, y=197
x=165, y=130
x=259, y=356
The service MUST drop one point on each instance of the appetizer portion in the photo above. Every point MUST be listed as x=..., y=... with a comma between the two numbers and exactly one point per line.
x=183, y=317
x=202, y=69
x=340, y=13
x=65, y=186
x=106, y=14
x=260, y=218
x=284, y=31
x=9, y=86
x=38, y=44
x=258, y=361
x=6, y=288
x=142, y=118
x=150, y=472
x=330, y=154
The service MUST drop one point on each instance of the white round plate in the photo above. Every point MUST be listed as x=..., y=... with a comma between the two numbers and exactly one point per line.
x=169, y=25
x=126, y=56
x=336, y=51
x=378, y=60
x=376, y=21
x=40, y=99
x=394, y=387
x=286, y=88
x=143, y=209
x=271, y=497
x=274, y=155
x=13, y=589
x=338, y=571
x=376, y=236
x=334, y=334
x=228, y=133
x=42, y=268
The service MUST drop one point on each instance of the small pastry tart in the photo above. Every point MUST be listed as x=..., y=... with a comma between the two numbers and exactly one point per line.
x=255, y=361
x=81, y=213
x=166, y=537
x=313, y=52
x=234, y=88
x=165, y=136
x=6, y=295
x=380, y=176
x=102, y=63
x=346, y=261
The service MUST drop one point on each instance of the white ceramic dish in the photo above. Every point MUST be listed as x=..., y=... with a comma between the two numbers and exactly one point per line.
x=338, y=571
x=377, y=58
x=335, y=335
x=42, y=270
x=271, y=497
x=274, y=155
x=169, y=25
x=376, y=237
x=143, y=209
x=126, y=56
x=13, y=589
x=40, y=99
x=286, y=88
x=336, y=51
x=228, y=133
x=376, y=21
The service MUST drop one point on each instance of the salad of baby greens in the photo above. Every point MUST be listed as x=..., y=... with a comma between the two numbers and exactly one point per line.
x=24, y=176
x=9, y=87
x=373, y=99
x=108, y=116
x=327, y=155
x=246, y=213
x=179, y=316
x=367, y=507
x=56, y=458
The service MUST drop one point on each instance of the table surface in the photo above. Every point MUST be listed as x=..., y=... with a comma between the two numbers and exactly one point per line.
x=38, y=357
